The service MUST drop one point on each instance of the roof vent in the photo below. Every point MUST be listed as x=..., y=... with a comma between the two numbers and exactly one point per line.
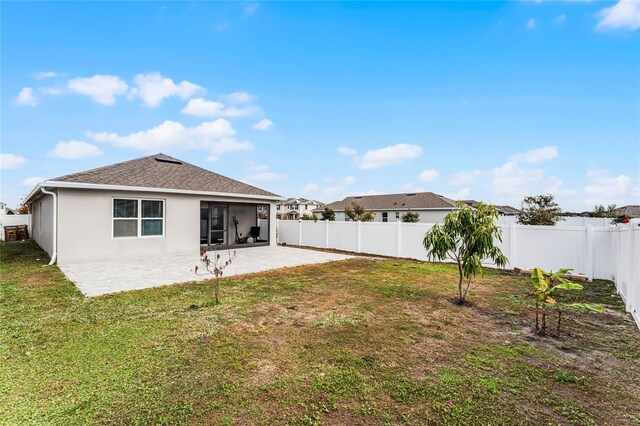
x=168, y=160
x=410, y=195
x=357, y=198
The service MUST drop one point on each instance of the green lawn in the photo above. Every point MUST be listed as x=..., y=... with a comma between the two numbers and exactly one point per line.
x=362, y=341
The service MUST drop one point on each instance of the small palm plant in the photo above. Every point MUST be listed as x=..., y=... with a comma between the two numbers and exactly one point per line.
x=214, y=266
x=546, y=284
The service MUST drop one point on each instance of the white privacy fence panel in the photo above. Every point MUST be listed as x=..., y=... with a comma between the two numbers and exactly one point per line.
x=605, y=252
x=12, y=220
x=568, y=221
x=312, y=236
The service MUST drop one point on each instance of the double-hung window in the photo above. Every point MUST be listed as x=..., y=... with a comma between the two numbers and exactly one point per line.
x=138, y=217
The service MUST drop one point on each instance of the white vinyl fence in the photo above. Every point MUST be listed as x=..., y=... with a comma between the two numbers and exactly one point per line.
x=604, y=252
x=568, y=221
x=14, y=219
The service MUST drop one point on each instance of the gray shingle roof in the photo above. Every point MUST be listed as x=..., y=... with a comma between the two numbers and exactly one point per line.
x=163, y=171
x=418, y=200
x=628, y=211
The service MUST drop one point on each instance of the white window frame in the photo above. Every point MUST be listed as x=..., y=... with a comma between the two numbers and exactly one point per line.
x=139, y=218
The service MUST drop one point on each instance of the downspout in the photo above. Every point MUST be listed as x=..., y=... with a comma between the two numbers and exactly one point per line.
x=54, y=255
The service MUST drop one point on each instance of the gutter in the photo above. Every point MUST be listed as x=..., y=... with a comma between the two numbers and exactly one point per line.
x=54, y=255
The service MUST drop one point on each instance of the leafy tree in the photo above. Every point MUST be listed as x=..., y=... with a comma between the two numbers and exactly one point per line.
x=357, y=213
x=306, y=216
x=466, y=237
x=546, y=284
x=539, y=210
x=411, y=217
x=600, y=211
x=23, y=209
x=328, y=214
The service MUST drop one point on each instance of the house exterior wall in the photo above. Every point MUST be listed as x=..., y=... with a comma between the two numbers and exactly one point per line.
x=426, y=216
x=85, y=226
x=42, y=223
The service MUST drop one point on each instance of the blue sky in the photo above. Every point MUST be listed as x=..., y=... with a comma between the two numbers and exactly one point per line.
x=490, y=101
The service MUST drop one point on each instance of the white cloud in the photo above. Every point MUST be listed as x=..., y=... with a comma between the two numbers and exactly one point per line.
x=536, y=155
x=217, y=137
x=428, y=176
x=238, y=98
x=33, y=181
x=345, y=150
x=560, y=19
x=531, y=23
x=11, y=161
x=264, y=124
x=74, y=150
x=464, y=178
x=203, y=108
x=152, y=88
x=51, y=91
x=102, y=88
x=460, y=195
x=623, y=15
x=254, y=167
x=266, y=176
x=311, y=187
x=602, y=188
x=26, y=98
x=46, y=74
x=251, y=8
x=510, y=182
x=389, y=155
x=409, y=187
x=555, y=186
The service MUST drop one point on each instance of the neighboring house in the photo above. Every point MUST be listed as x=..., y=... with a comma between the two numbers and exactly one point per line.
x=627, y=211
x=502, y=210
x=431, y=207
x=295, y=208
x=6, y=210
x=149, y=206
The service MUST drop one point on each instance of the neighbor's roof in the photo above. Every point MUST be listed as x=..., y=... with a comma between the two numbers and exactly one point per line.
x=628, y=211
x=502, y=209
x=160, y=171
x=416, y=200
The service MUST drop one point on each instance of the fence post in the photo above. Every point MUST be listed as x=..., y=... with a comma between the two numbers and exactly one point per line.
x=299, y=232
x=398, y=239
x=589, y=259
x=512, y=244
x=326, y=234
x=358, y=237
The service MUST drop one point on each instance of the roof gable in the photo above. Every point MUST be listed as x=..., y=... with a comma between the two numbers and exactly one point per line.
x=165, y=172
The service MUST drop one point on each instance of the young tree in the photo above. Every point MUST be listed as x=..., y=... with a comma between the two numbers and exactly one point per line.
x=328, y=214
x=539, y=210
x=214, y=266
x=357, y=213
x=411, y=217
x=466, y=237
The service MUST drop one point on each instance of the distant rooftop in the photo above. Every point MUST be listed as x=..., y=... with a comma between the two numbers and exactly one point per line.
x=412, y=200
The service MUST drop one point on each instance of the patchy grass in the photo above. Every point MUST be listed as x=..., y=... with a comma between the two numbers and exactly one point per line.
x=362, y=341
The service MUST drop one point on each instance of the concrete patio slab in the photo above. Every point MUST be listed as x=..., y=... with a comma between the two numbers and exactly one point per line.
x=97, y=278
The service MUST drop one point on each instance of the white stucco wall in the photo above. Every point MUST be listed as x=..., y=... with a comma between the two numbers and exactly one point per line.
x=85, y=230
x=42, y=223
x=426, y=216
